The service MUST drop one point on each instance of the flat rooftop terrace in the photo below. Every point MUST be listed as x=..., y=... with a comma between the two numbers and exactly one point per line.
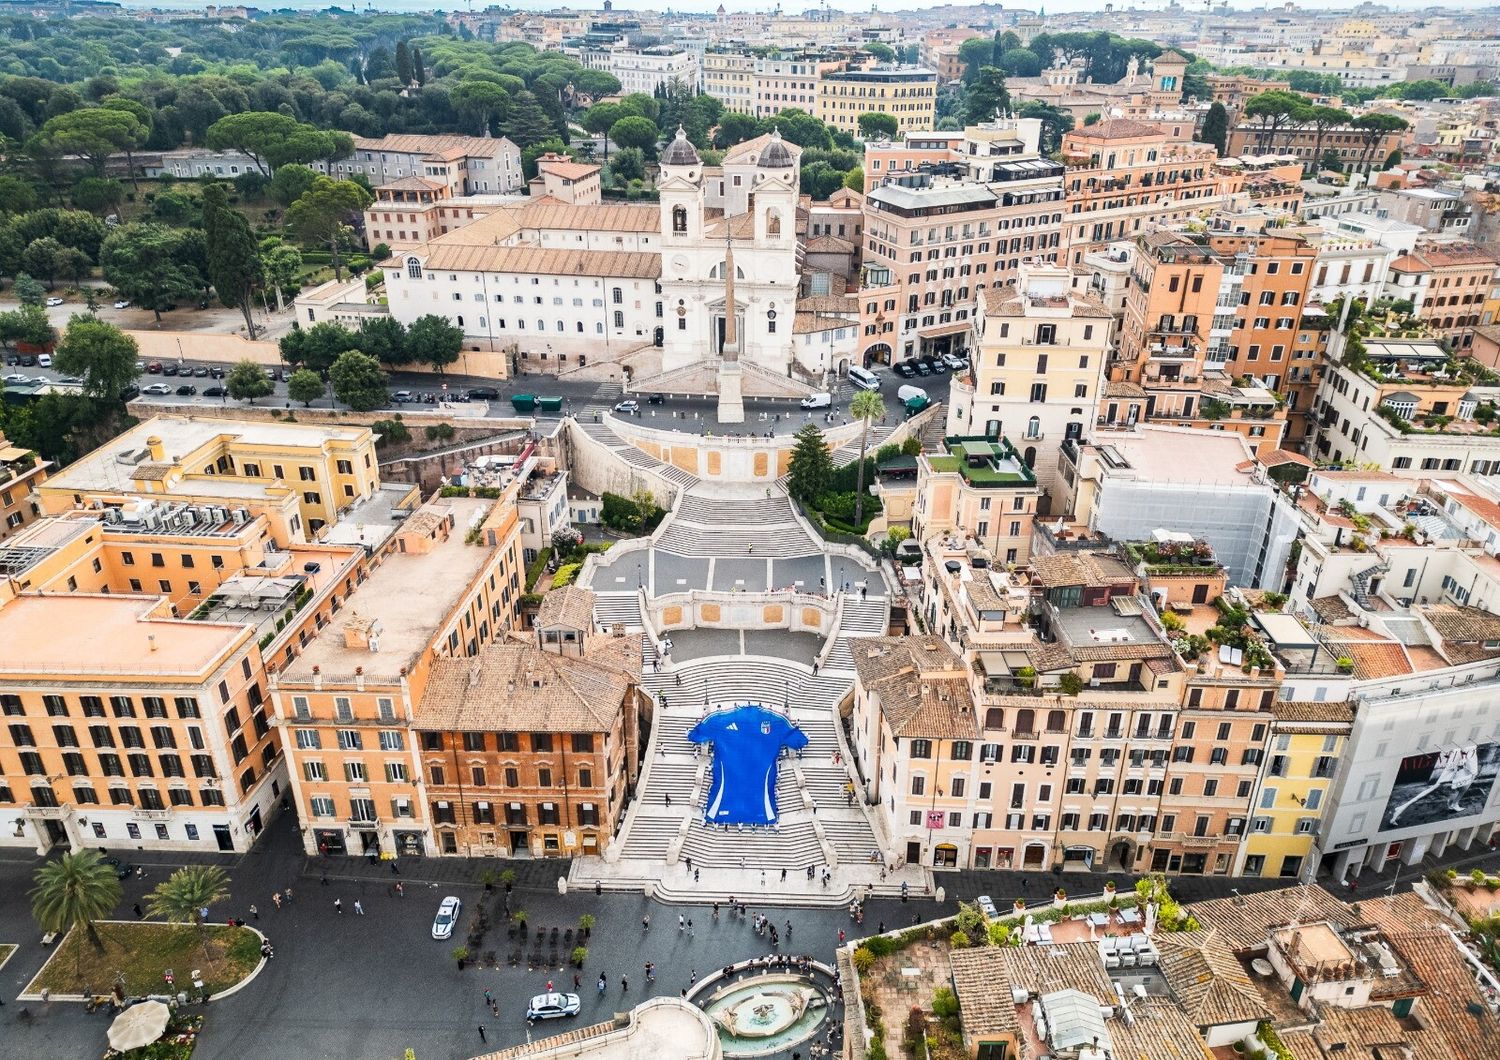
x=410, y=595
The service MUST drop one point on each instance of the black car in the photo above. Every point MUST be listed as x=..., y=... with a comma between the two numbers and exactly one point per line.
x=920, y=367
x=483, y=393
x=655, y=399
x=201, y=371
x=904, y=369
x=28, y=360
x=216, y=372
x=214, y=391
x=170, y=369
x=186, y=390
x=937, y=364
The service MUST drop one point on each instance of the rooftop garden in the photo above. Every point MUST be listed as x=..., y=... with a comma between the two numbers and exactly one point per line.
x=983, y=462
x=1172, y=557
x=918, y=1015
x=1232, y=630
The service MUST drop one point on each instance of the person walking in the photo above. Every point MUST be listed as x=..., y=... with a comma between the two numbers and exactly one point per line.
x=254, y=912
x=140, y=915
x=841, y=936
x=693, y=979
x=288, y=894
x=690, y=927
x=681, y=922
x=646, y=922
x=338, y=906
x=577, y=981
x=400, y=890
x=783, y=875
x=358, y=907
x=601, y=984
x=624, y=985
x=695, y=875
x=489, y=999
x=481, y=1033
x=276, y=899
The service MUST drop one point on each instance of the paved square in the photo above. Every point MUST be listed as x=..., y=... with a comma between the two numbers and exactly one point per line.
x=778, y=643
x=746, y=575
x=678, y=574
x=806, y=573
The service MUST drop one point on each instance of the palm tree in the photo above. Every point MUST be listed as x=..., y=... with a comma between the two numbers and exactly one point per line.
x=865, y=407
x=185, y=896
x=77, y=888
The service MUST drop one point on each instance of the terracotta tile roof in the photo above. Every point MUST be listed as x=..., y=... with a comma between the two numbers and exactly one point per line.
x=571, y=606
x=1242, y=922
x=515, y=685
x=1283, y=456
x=570, y=170
x=922, y=685
x=414, y=144
x=546, y=261
x=1124, y=389
x=988, y=1009
x=1333, y=712
x=1160, y=1030
x=1209, y=982
x=409, y=184
x=1373, y=659
x=548, y=212
x=1464, y=631
x=811, y=323
x=829, y=245
x=828, y=303
x=1006, y=300
x=1331, y=609
x=1487, y=510
x=1118, y=129
x=1079, y=568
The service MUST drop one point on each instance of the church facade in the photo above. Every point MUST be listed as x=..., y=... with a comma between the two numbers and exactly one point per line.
x=574, y=284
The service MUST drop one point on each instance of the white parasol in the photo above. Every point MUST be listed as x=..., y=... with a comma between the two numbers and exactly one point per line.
x=138, y=1025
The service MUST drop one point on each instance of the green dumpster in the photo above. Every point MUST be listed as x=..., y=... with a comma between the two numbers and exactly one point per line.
x=523, y=402
x=550, y=404
x=915, y=405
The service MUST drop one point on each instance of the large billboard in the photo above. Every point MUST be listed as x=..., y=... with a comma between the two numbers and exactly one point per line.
x=1440, y=786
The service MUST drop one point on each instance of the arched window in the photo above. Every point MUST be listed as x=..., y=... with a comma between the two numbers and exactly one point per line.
x=617, y=296
x=413, y=268
x=1026, y=720
x=1030, y=457
x=1056, y=721
x=460, y=321
x=619, y=319
x=561, y=326
x=1034, y=427
x=679, y=219
x=994, y=718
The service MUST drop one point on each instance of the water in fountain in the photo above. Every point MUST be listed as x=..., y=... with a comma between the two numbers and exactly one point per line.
x=767, y=1014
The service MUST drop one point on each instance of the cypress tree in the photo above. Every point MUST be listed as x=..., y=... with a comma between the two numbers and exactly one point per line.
x=233, y=256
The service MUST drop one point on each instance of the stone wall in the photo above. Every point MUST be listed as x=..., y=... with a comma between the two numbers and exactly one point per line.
x=797, y=612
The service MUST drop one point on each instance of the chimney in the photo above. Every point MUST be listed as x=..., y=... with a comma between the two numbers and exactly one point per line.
x=474, y=673
x=151, y=640
x=154, y=446
x=362, y=632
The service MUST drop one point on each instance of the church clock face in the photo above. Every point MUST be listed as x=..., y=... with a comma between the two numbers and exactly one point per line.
x=680, y=265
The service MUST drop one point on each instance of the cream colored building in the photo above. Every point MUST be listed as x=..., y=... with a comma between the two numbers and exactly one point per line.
x=1036, y=371
x=729, y=76
x=906, y=93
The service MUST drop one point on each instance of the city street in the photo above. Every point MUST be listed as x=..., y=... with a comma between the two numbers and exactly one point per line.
x=328, y=991
x=690, y=414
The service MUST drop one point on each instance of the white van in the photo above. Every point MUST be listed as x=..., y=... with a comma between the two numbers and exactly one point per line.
x=907, y=392
x=863, y=379
x=817, y=401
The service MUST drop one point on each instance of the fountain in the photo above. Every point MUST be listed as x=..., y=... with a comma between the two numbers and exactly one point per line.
x=766, y=1014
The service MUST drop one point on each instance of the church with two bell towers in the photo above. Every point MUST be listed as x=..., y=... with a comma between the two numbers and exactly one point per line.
x=729, y=273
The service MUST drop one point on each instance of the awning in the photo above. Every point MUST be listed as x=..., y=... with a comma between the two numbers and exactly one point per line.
x=944, y=329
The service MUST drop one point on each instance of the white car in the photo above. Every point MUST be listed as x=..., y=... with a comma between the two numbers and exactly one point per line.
x=628, y=406
x=817, y=401
x=53, y=303
x=16, y=378
x=552, y=1006
x=156, y=388
x=447, y=916
x=986, y=906
x=123, y=303
x=44, y=360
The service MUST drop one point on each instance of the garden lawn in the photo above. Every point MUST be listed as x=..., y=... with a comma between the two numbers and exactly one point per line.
x=7, y=950
x=142, y=950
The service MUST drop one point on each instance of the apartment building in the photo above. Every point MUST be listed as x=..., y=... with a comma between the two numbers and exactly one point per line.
x=1037, y=370
x=729, y=76
x=1358, y=150
x=21, y=471
x=906, y=93
x=347, y=705
x=1124, y=176
x=648, y=70
x=787, y=81
x=531, y=745
x=1169, y=346
x=484, y=165
x=980, y=489
x=911, y=152
x=1447, y=285
x=301, y=476
x=1401, y=409
x=128, y=726
x=933, y=241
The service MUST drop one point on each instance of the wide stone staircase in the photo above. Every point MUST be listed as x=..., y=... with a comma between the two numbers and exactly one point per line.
x=603, y=433
x=859, y=618
x=703, y=526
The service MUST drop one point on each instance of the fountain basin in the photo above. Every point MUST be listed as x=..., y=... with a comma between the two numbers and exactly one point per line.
x=766, y=1014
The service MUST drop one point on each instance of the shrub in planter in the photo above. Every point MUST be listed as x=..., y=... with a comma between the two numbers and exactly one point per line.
x=461, y=955
x=580, y=954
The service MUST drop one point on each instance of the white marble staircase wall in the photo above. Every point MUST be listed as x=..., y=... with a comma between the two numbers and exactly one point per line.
x=599, y=468
x=703, y=608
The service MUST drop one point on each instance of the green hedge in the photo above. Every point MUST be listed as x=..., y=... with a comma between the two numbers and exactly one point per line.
x=623, y=514
x=535, y=568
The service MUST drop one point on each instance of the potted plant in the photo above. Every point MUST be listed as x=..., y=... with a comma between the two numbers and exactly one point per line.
x=580, y=954
x=1476, y=877
x=1345, y=664
x=1109, y=888
x=1019, y=905
x=586, y=924
x=1060, y=897
x=519, y=919
x=461, y=955
x=508, y=879
x=487, y=877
